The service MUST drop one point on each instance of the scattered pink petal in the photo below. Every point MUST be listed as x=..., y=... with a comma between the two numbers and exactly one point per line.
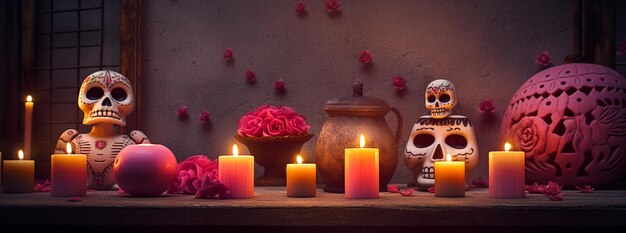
x=398, y=83
x=300, y=8
x=280, y=85
x=486, y=105
x=250, y=76
x=182, y=112
x=407, y=192
x=533, y=188
x=585, y=189
x=480, y=182
x=555, y=197
x=120, y=191
x=551, y=188
x=620, y=48
x=431, y=189
x=333, y=6
x=365, y=56
x=228, y=54
x=205, y=117
x=43, y=185
x=75, y=199
x=392, y=188
x=544, y=58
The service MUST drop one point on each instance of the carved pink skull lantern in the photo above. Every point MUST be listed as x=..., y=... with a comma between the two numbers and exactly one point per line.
x=571, y=122
x=106, y=97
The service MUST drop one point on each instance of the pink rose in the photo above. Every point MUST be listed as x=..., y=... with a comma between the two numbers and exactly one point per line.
x=365, y=56
x=533, y=188
x=182, y=112
x=297, y=125
x=332, y=6
x=280, y=85
x=407, y=192
x=300, y=8
x=398, y=83
x=552, y=188
x=392, y=188
x=228, y=54
x=205, y=117
x=544, y=58
x=250, y=76
x=486, y=105
x=273, y=127
x=530, y=134
x=287, y=111
x=250, y=126
x=268, y=112
x=190, y=171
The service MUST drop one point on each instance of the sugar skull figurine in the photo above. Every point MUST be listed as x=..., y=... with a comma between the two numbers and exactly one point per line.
x=106, y=98
x=441, y=133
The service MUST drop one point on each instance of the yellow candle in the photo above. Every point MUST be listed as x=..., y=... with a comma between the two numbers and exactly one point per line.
x=301, y=179
x=28, y=125
x=69, y=174
x=361, y=171
x=449, y=178
x=18, y=176
x=506, y=173
x=236, y=172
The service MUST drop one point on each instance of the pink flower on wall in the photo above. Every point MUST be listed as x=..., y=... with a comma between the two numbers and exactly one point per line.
x=620, y=48
x=333, y=6
x=250, y=76
x=280, y=85
x=365, y=56
x=182, y=112
x=272, y=121
x=398, y=83
x=544, y=58
x=300, y=8
x=205, y=117
x=486, y=105
x=228, y=54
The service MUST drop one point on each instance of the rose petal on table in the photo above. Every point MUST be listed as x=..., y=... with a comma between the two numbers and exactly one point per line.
x=120, y=191
x=407, y=192
x=585, y=188
x=74, y=199
x=555, y=197
x=392, y=188
x=533, y=188
x=431, y=189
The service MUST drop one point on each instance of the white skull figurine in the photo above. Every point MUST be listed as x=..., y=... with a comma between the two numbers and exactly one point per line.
x=106, y=98
x=440, y=98
x=432, y=139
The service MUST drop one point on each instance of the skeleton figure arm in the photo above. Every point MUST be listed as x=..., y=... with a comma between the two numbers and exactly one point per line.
x=139, y=137
x=66, y=137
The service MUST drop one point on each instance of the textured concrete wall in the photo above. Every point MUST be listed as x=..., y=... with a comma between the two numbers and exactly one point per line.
x=486, y=48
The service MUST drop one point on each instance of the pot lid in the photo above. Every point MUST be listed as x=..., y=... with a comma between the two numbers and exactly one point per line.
x=357, y=104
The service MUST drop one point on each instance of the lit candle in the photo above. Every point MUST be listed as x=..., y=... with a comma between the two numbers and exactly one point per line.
x=449, y=178
x=361, y=171
x=28, y=125
x=301, y=179
x=69, y=174
x=236, y=172
x=506, y=173
x=18, y=176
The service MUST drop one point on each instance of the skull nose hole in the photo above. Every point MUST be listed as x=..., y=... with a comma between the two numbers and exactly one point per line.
x=438, y=153
x=436, y=104
x=106, y=102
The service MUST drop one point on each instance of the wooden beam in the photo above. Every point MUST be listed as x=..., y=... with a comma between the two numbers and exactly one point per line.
x=130, y=53
x=594, y=32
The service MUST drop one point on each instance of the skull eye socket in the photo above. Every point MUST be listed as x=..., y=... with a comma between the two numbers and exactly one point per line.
x=119, y=94
x=431, y=98
x=444, y=98
x=95, y=93
x=456, y=141
x=423, y=140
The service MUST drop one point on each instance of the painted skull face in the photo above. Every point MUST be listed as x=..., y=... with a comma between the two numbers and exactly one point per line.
x=431, y=139
x=106, y=97
x=440, y=98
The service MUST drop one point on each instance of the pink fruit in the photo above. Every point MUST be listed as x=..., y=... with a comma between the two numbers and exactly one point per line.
x=145, y=169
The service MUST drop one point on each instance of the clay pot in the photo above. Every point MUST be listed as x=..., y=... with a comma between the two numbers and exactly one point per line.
x=274, y=153
x=348, y=117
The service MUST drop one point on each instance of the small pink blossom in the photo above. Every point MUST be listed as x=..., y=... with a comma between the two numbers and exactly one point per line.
x=398, y=83
x=480, y=182
x=300, y=8
x=228, y=54
x=365, y=56
x=250, y=126
x=533, y=188
x=205, y=117
x=43, y=185
x=274, y=127
x=250, y=76
x=407, y=192
x=190, y=173
x=620, y=48
x=585, y=189
x=333, y=6
x=280, y=85
x=431, y=189
x=182, y=112
x=555, y=197
x=544, y=58
x=392, y=188
x=552, y=190
x=487, y=105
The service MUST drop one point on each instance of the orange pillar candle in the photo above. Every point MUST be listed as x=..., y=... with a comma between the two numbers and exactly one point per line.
x=506, y=173
x=18, y=176
x=28, y=126
x=301, y=179
x=68, y=174
x=361, y=171
x=449, y=178
x=236, y=172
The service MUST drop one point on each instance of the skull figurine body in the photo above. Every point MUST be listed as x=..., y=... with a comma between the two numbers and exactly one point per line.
x=440, y=98
x=106, y=98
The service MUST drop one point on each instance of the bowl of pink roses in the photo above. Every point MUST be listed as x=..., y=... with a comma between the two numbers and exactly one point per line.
x=274, y=135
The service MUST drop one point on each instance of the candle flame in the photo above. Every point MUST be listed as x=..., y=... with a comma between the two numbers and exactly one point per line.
x=29, y=98
x=449, y=157
x=235, y=150
x=68, y=148
x=299, y=159
x=20, y=154
x=507, y=146
x=362, y=141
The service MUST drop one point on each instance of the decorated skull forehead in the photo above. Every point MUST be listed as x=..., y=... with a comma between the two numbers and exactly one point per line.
x=440, y=98
x=106, y=97
x=432, y=139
